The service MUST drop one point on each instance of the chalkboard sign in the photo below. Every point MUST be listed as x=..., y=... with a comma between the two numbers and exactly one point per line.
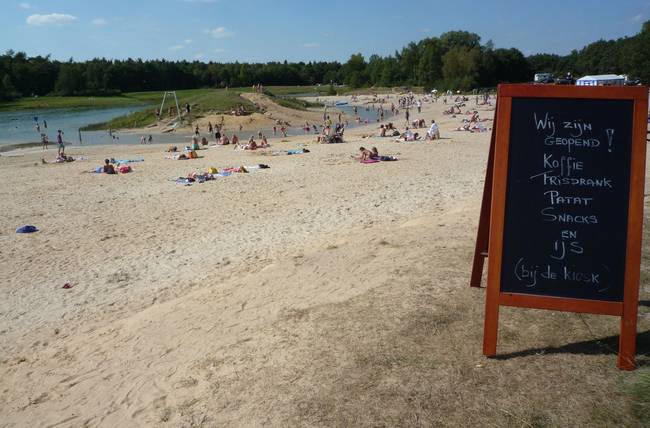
x=568, y=182
x=562, y=210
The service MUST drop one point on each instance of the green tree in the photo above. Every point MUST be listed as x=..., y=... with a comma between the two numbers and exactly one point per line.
x=354, y=71
x=460, y=67
x=70, y=80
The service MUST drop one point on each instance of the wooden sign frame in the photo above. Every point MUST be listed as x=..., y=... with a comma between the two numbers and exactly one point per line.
x=627, y=309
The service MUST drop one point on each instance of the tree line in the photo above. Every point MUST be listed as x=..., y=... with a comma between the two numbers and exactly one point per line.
x=455, y=60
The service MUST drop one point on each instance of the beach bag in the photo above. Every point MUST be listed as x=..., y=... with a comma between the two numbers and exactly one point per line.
x=212, y=170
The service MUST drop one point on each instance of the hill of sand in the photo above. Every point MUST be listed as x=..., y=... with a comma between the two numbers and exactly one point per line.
x=269, y=114
x=318, y=292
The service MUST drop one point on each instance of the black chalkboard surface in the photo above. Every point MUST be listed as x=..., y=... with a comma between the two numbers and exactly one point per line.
x=567, y=193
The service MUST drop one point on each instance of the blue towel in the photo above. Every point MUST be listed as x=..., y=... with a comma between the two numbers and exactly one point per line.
x=28, y=228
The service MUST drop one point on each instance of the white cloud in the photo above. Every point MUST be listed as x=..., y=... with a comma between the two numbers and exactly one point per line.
x=176, y=47
x=51, y=18
x=25, y=6
x=199, y=55
x=99, y=21
x=219, y=32
x=188, y=41
x=638, y=18
x=310, y=45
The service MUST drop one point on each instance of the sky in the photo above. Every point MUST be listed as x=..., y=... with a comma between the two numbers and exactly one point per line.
x=278, y=30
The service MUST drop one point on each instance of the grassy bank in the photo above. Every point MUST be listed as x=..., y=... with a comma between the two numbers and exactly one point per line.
x=188, y=95
x=202, y=102
x=291, y=102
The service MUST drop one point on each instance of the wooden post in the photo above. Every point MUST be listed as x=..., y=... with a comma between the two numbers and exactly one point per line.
x=627, y=341
x=483, y=233
x=497, y=212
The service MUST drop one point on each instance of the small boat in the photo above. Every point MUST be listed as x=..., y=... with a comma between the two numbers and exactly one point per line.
x=341, y=103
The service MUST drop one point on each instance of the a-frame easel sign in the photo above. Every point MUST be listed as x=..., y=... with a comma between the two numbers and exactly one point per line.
x=563, y=218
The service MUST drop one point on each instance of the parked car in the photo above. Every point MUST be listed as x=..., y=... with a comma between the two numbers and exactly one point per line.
x=566, y=80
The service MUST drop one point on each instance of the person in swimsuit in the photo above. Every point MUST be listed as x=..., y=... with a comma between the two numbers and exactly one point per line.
x=108, y=167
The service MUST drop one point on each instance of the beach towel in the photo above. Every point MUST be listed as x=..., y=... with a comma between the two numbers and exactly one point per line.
x=297, y=151
x=125, y=161
x=28, y=228
x=124, y=169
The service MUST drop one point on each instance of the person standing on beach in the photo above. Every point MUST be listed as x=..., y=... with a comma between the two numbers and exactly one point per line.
x=407, y=114
x=45, y=141
x=59, y=140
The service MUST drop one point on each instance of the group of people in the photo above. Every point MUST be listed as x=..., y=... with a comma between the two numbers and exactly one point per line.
x=331, y=134
x=59, y=140
x=473, y=124
x=389, y=130
x=253, y=145
x=146, y=140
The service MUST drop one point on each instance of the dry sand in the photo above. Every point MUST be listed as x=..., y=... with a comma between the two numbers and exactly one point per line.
x=317, y=292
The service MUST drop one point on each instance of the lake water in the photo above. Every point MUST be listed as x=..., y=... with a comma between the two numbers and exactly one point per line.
x=20, y=127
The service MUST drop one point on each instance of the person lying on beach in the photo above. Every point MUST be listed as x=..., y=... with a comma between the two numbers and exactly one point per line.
x=61, y=158
x=375, y=156
x=409, y=135
x=108, y=167
x=365, y=154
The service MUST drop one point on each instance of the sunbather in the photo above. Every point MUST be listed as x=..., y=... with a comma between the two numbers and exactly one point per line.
x=108, y=167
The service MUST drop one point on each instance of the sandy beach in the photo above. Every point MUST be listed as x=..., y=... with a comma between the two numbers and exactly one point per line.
x=319, y=291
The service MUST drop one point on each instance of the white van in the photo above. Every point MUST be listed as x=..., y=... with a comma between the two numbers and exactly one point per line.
x=543, y=78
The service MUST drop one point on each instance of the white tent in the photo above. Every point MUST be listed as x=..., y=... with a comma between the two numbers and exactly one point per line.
x=601, y=80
